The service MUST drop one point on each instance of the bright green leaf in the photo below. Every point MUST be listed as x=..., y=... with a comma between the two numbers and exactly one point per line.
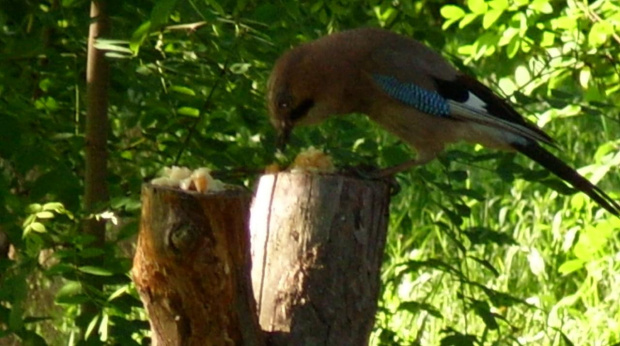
x=499, y=4
x=542, y=6
x=189, y=111
x=507, y=36
x=477, y=6
x=54, y=206
x=38, y=227
x=522, y=75
x=103, y=328
x=113, y=46
x=33, y=208
x=470, y=17
x=490, y=18
x=584, y=77
x=536, y=261
x=513, y=47
x=452, y=12
x=240, y=68
x=570, y=266
x=138, y=36
x=70, y=288
x=183, y=90
x=92, y=270
x=45, y=215
x=91, y=326
x=548, y=39
x=600, y=33
x=565, y=23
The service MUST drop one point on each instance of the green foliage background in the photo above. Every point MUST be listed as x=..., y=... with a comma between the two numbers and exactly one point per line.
x=484, y=247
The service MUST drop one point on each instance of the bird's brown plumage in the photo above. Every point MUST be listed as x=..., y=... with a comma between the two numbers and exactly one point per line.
x=336, y=75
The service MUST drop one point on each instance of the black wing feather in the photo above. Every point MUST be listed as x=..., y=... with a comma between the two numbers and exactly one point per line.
x=539, y=154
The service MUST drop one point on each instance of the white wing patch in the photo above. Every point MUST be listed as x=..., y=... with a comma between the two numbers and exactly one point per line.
x=475, y=103
x=474, y=110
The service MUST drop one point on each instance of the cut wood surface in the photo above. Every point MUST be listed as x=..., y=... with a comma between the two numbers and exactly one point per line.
x=192, y=267
x=317, y=248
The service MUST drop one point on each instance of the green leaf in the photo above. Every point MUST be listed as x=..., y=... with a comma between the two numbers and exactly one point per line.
x=91, y=326
x=45, y=215
x=34, y=208
x=571, y=266
x=59, y=269
x=138, y=36
x=183, y=90
x=240, y=68
x=499, y=4
x=542, y=6
x=513, y=47
x=54, y=206
x=584, y=77
x=38, y=227
x=161, y=12
x=97, y=271
x=599, y=33
x=470, y=17
x=451, y=12
x=113, y=55
x=189, y=111
x=477, y=6
x=491, y=17
x=70, y=289
x=113, y=46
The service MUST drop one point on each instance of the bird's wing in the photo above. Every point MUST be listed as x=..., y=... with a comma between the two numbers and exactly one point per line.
x=421, y=78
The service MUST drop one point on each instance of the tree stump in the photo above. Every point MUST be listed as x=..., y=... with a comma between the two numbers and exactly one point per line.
x=192, y=267
x=317, y=248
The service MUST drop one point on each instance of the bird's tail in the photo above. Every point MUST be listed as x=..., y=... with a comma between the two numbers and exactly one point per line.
x=539, y=154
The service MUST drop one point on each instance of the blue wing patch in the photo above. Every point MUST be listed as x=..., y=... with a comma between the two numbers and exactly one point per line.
x=410, y=94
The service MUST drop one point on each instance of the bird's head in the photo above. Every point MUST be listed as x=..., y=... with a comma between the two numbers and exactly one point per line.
x=307, y=85
x=291, y=94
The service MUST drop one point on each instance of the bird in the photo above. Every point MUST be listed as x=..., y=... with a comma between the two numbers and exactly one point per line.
x=411, y=91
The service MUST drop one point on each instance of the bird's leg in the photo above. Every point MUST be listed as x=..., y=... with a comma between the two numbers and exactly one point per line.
x=423, y=158
x=388, y=174
x=390, y=171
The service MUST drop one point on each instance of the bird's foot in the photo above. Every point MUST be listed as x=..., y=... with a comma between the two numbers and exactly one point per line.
x=373, y=173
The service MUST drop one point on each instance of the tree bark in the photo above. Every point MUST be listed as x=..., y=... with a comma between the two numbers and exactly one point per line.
x=96, y=137
x=96, y=130
x=317, y=248
x=192, y=267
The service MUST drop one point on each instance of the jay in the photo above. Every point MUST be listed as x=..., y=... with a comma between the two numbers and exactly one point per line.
x=412, y=92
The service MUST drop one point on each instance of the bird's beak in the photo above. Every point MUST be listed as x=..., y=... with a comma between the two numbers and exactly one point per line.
x=283, y=137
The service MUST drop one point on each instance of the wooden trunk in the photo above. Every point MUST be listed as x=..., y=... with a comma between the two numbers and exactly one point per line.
x=192, y=267
x=317, y=248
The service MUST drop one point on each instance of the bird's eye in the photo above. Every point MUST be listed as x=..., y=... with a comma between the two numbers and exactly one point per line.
x=283, y=104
